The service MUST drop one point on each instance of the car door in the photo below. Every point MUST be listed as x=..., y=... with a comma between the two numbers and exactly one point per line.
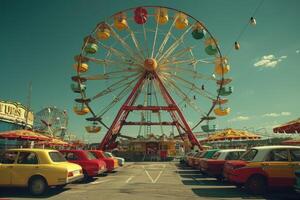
x=295, y=161
x=26, y=166
x=277, y=167
x=7, y=163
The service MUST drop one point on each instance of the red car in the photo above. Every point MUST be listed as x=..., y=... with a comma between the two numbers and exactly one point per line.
x=91, y=166
x=214, y=166
x=110, y=162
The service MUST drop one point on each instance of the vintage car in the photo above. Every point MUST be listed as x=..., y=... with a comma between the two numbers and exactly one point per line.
x=262, y=167
x=191, y=158
x=111, y=164
x=91, y=166
x=297, y=185
x=206, y=155
x=37, y=169
x=214, y=166
x=121, y=161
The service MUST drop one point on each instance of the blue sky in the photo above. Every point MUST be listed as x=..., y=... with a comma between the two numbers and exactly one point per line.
x=39, y=39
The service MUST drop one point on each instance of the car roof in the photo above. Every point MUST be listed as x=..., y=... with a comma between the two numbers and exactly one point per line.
x=32, y=149
x=72, y=150
x=230, y=150
x=276, y=147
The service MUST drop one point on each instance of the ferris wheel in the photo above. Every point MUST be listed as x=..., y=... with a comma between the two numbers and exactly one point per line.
x=155, y=65
x=51, y=121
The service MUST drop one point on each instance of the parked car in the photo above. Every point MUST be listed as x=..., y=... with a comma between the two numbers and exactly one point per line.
x=111, y=163
x=37, y=169
x=207, y=155
x=214, y=166
x=121, y=161
x=297, y=185
x=91, y=166
x=192, y=157
x=262, y=167
x=184, y=159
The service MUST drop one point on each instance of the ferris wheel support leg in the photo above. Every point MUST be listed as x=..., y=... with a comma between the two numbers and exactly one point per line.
x=184, y=124
x=117, y=124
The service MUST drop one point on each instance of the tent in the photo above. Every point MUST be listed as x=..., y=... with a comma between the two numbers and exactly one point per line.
x=289, y=127
x=231, y=134
x=23, y=135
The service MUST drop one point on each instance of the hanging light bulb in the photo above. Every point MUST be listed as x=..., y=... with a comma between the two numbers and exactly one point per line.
x=202, y=87
x=236, y=45
x=194, y=97
x=252, y=21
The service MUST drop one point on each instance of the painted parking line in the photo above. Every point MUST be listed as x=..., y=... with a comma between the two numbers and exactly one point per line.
x=129, y=179
x=98, y=182
x=158, y=176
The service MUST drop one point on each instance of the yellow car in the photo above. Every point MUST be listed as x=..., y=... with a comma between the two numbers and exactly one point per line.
x=36, y=169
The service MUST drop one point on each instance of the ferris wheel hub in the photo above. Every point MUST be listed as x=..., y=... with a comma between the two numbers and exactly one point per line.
x=150, y=64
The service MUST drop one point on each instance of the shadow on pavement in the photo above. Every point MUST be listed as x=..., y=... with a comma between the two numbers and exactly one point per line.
x=13, y=192
x=239, y=193
x=223, y=193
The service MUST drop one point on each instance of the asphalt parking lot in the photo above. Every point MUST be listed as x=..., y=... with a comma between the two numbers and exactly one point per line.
x=148, y=181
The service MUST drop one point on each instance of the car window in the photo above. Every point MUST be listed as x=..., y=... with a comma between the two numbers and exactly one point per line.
x=90, y=156
x=235, y=155
x=57, y=157
x=108, y=155
x=9, y=157
x=94, y=154
x=27, y=158
x=71, y=156
x=278, y=155
x=216, y=155
x=295, y=154
x=249, y=155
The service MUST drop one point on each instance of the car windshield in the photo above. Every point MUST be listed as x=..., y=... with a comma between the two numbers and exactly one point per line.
x=57, y=157
x=249, y=155
x=109, y=155
x=90, y=156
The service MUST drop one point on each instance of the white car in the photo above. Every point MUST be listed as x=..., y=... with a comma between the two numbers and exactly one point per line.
x=121, y=161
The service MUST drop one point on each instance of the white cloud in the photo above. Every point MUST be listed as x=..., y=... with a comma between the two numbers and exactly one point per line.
x=297, y=51
x=239, y=118
x=269, y=61
x=271, y=115
x=276, y=114
x=285, y=113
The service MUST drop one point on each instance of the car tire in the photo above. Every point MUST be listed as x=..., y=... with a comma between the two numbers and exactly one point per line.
x=37, y=186
x=256, y=185
x=86, y=177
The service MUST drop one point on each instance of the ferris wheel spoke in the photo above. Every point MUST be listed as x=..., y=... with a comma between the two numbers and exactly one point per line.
x=118, y=98
x=111, y=75
x=177, y=54
x=154, y=40
x=115, y=86
x=181, y=94
x=193, y=87
x=166, y=38
x=116, y=52
x=194, y=74
x=136, y=42
x=175, y=44
x=114, y=62
x=146, y=43
x=133, y=54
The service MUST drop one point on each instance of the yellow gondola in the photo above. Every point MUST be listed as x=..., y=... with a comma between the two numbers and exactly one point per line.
x=220, y=69
x=181, y=21
x=120, y=22
x=81, y=67
x=161, y=16
x=81, y=109
x=103, y=32
x=221, y=112
x=93, y=129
